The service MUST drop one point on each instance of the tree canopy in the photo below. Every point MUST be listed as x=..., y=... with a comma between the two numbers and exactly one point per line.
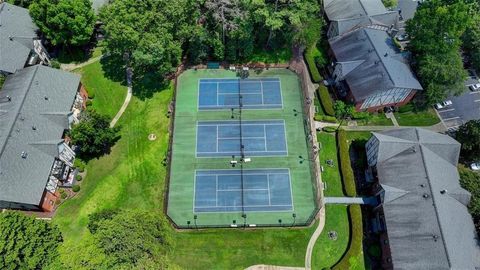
x=435, y=32
x=132, y=239
x=468, y=135
x=93, y=135
x=64, y=22
x=27, y=243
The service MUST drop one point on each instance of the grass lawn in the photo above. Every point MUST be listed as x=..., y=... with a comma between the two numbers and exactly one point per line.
x=330, y=175
x=278, y=56
x=109, y=95
x=376, y=119
x=318, y=106
x=332, y=250
x=132, y=177
x=358, y=135
x=421, y=118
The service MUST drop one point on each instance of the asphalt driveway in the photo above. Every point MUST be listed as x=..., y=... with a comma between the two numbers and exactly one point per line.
x=464, y=108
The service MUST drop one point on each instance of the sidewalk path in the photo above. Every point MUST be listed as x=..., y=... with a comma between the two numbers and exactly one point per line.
x=350, y=200
x=70, y=67
x=313, y=239
x=127, y=99
x=437, y=127
x=272, y=267
x=391, y=116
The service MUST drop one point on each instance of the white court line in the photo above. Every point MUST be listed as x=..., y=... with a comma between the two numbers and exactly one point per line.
x=237, y=174
x=216, y=149
x=279, y=151
x=238, y=138
x=236, y=94
x=261, y=90
x=248, y=124
x=477, y=100
x=265, y=136
x=239, y=189
x=268, y=185
x=451, y=118
x=261, y=205
x=448, y=110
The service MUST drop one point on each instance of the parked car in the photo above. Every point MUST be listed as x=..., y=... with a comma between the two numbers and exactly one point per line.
x=402, y=37
x=475, y=87
x=475, y=166
x=443, y=104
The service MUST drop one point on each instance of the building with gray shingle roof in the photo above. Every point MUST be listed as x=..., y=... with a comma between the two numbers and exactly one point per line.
x=423, y=211
x=19, y=43
x=370, y=70
x=347, y=15
x=37, y=105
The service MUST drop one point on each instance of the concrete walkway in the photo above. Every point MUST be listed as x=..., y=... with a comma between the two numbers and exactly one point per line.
x=70, y=67
x=437, y=128
x=272, y=267
x=391, y=116
x=350, y=200
x=126, y=101
x=313, y=239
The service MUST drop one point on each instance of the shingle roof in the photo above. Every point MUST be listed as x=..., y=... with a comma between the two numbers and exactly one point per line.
x=349, y=14
x=41, y=97
x=382, y=68
x=427, y=228
x=17, y=32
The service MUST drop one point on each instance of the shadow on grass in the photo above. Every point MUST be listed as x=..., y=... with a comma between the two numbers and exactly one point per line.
x=144, y=85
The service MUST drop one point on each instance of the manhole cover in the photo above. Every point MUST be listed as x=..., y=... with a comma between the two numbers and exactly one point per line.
x=152, y=137
x=332, y=235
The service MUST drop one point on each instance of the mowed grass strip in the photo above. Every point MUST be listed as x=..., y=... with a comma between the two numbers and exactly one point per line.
x=108, y=95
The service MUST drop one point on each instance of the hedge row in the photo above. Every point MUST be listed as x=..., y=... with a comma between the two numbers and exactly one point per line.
x=326, y=100
x=325, y=118
x=355, y=250
x=310, y=54
x=329, y=129
x=345, y=165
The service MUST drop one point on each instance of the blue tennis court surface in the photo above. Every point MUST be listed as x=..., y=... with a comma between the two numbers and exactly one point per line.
x=263, y=190
x=262, y=93
x=222, y=138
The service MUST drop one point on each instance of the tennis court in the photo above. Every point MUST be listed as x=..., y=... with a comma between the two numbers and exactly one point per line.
x=266, y=183
x=262, y=93
x=259, y=138
x=259, y=190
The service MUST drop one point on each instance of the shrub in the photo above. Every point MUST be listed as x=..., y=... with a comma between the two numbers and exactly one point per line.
x=345, y=165
x=63, y=194
x=326, y=100
x=89, y=103
x=310, y=54
x=329, y=129
x=325, y=118
x=406, y=108
x=75, y=188
x=355, y=250
x=91, y=95
x=78, y=177
x=55, y=64
x=79, y=164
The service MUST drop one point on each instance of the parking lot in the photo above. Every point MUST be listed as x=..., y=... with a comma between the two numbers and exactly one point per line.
x=464, y=108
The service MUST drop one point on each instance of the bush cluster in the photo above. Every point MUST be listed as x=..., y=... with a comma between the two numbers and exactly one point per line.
x=345, y=165
x=329, y=129
x=326, y=100
x=355, y=250
x=310, y=54
x=325, y=118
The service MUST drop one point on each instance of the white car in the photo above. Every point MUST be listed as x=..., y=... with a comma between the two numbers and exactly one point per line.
x=474, y=87
x=475, y=166
x=443, y=104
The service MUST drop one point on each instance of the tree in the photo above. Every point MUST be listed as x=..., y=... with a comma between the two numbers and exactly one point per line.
x=343, y=110
x=93, y=135
x=64, y=22
x=133, y=239
x=468, y=135
x=148, y=35
x=20, y=3
x=471, y=42
x=470, y=181
x=27, y=243
x=435, y=32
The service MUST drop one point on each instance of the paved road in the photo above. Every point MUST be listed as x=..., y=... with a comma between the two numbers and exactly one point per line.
x=351, y=200
x=464, y=108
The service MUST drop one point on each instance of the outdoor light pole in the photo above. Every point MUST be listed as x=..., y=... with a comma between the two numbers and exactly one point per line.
x=294, y=217
x=195, y=221
x=188, y=224
x=244, y=216
x=280, y=221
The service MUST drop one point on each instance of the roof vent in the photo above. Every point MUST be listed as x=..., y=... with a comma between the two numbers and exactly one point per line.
x=413, y=149
x=435, y=237
x=22, y=118
x=9, y=98
x=443, y=191
x=46, y=98
x=386, y=54
x=10, y=37
x=425, y=195
x=422, y=185
x=24, y=154
x=34, y=127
